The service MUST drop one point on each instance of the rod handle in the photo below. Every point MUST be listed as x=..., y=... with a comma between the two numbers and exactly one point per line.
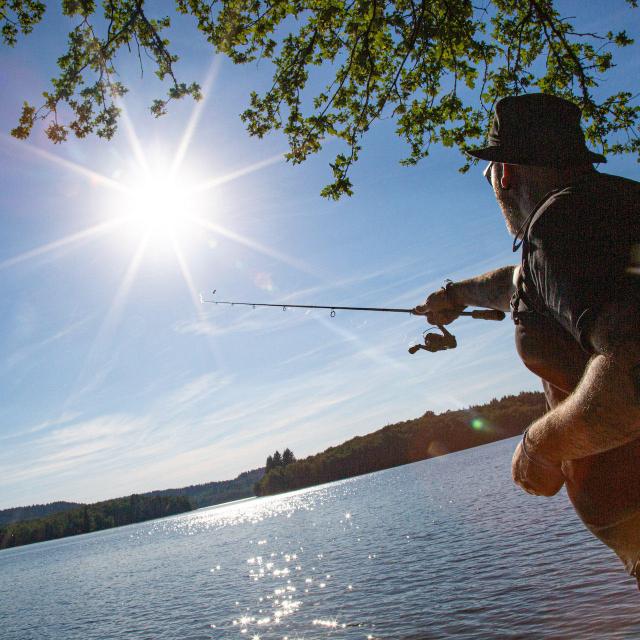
x=487, y=314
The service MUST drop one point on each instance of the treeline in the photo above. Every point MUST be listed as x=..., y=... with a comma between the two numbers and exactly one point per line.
x=200, y=495
x=429, y=436
x=15, y=514
x=279, y=459
x=210, y=493
x=92, y=517
x=426, y=437
x=24, y=525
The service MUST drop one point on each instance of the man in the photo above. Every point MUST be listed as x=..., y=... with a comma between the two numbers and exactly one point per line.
x=575, y=301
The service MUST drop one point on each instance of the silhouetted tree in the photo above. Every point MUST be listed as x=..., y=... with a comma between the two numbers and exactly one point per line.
x=287, y=457
x=269, y=464
x=277, y=459
x=434, y=68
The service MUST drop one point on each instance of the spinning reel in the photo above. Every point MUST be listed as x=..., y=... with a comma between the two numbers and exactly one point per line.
x=434, y=342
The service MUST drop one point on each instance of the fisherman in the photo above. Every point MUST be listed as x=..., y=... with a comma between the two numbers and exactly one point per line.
x=575, y=302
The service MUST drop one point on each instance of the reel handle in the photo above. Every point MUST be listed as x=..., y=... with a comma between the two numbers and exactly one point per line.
x=486, y=314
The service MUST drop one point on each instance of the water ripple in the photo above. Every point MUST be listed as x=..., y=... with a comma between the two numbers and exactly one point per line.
x=439, y=549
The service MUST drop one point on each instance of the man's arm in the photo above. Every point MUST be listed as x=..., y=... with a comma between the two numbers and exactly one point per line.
x=602, y=413
x=492, y=290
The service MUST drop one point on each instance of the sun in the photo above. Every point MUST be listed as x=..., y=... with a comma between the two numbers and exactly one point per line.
x=159, y=207
x=156, y=204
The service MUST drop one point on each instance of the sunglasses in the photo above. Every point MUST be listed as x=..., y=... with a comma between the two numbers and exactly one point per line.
x=487, y=173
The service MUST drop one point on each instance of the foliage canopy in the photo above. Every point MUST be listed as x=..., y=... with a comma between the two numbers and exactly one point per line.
x=435, y=67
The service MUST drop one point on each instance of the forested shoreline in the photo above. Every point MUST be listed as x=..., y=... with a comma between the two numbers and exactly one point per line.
x=21, y=525
x=92, y=517
x=429, y=436
x=31, y=512
x=212, y=493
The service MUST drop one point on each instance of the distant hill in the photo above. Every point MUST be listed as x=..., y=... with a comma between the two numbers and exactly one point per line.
x=426, y=437
x=92, y=517
x=205, y=495
x=25, y=525
x=7, y=516
x=429, y=436
x=200, y=495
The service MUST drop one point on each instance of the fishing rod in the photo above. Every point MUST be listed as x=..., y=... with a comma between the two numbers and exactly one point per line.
x=432, y=341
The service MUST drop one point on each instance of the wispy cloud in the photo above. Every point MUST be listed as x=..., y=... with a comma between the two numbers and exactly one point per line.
x=91, y=430
x=199, y=328
x=196, y=391
x=207, y=427
x=335, y=284
x=52, y=248
x=437, y=277
x=28, y=352
x=239, y=322
x=45, y=425
x=70, y=447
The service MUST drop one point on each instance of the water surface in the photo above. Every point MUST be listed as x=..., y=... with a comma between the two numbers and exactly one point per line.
x=437, y=549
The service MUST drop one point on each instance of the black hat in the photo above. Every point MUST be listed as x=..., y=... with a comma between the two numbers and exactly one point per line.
x=537, y=129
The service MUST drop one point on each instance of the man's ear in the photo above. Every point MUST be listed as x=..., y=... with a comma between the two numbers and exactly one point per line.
x=508, y=177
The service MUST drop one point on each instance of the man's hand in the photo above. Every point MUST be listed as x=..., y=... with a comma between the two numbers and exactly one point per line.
x=439, y=308
x=537, y=478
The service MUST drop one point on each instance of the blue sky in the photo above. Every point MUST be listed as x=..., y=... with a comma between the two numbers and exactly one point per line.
x=114, y=379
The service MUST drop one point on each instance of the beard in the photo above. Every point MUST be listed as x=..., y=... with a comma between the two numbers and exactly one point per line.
x=528, y=186
x=510, y=209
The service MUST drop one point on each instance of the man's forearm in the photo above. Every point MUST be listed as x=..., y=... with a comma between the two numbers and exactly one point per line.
x=602, y=413
x=492, y=290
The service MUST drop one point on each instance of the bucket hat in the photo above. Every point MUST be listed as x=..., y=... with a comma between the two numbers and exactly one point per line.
x=537, y=129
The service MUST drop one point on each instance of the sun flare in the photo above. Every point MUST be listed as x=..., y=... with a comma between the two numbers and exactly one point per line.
x=159, y=207
x=155, y=205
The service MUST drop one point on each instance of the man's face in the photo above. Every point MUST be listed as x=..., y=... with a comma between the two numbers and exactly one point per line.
x=507, y=198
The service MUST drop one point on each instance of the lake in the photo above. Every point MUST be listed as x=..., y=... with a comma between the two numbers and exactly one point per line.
x=444, y=548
